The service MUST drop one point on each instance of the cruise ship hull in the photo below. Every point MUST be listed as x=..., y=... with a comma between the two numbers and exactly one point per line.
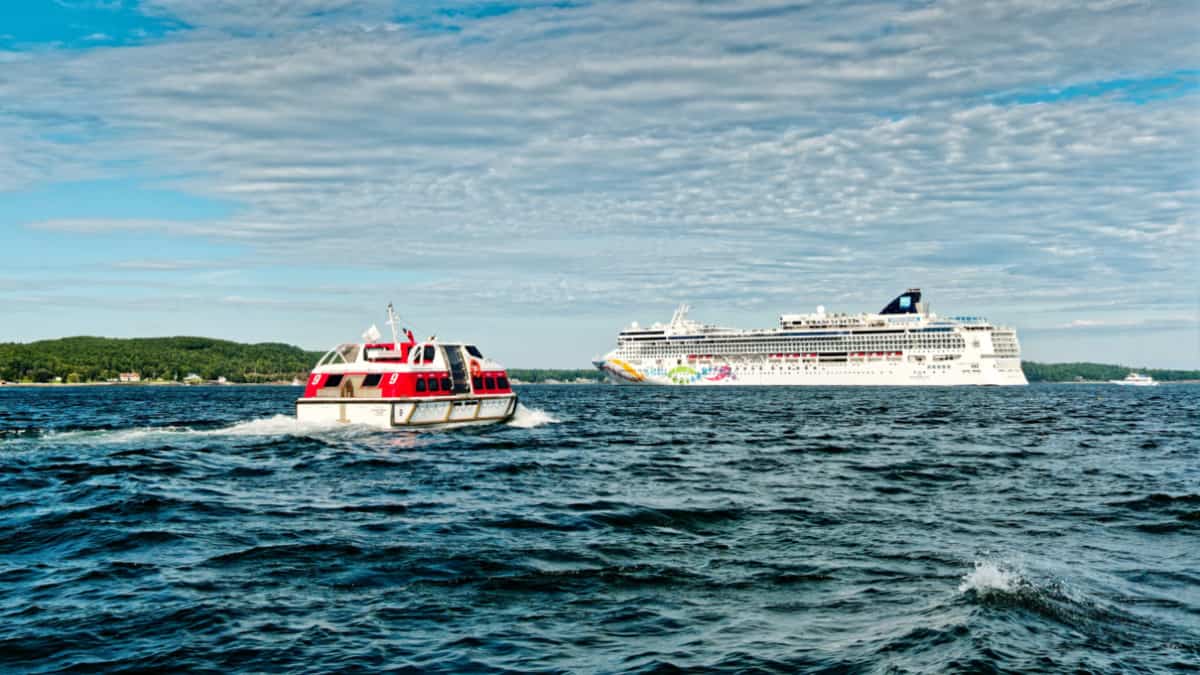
x=904, y=344
x=767, y=372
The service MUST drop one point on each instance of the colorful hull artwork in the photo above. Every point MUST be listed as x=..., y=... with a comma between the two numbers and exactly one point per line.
x=723, y=373
x=683, y=374
x=680, y=374
x=623, y=370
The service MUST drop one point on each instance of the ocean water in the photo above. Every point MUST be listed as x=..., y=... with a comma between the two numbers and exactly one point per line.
x=608, y=529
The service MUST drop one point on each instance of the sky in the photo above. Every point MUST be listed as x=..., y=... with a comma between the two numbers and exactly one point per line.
x=534, y=175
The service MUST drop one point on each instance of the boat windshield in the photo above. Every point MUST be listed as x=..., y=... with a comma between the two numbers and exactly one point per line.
x=347, y=353
x=474, y=351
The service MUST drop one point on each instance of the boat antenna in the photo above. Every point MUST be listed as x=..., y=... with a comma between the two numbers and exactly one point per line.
x=392, y=321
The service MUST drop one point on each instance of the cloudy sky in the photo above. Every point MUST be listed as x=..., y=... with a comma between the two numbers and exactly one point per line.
x=534, y=175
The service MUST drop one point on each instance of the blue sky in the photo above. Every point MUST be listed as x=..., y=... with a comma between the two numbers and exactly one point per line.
x=534, y=175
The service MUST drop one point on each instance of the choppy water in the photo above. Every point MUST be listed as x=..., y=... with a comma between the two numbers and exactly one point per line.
x=610, y=529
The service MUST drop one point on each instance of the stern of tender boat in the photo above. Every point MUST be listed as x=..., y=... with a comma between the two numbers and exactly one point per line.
x=406, y=383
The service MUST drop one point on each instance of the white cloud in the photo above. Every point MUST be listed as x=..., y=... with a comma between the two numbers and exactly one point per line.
x=1146, y=323
x=735, y=153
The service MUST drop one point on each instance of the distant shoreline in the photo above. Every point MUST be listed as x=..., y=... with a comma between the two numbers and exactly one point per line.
x=40, y=385
x=96, y=361
x=149, y=384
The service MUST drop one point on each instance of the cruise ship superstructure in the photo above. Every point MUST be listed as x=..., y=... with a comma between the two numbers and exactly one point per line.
x=903, y=344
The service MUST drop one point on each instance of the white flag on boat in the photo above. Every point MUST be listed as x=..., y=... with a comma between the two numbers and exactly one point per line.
x=371, y=334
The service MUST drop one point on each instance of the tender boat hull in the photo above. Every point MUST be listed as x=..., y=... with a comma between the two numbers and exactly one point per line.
x=407, y=413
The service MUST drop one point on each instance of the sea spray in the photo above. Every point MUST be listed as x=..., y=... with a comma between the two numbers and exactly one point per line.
x=530, y=418
x=989, y=578
x=274, y=426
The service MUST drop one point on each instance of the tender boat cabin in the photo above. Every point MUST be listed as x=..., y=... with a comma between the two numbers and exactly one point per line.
x=390, y=370
x=406, y=383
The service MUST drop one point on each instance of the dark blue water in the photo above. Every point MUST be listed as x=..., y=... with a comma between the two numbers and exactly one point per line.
x=1046, y=528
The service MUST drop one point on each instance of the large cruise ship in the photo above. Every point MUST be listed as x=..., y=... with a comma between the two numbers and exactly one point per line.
x=903, y=344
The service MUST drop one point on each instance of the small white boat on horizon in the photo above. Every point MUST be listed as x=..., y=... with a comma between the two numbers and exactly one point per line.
x=1136, y=380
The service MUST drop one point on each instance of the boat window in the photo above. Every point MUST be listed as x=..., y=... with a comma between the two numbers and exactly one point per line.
x=372, y=380
x=420, y=384
x=474, y=351
x=502, y=382
x=489, y=383
x=333, y=381
x=446, y=384
x=477, y=383
x=429, y=353
x=348, y=352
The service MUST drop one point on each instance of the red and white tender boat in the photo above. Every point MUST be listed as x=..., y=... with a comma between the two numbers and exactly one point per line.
x=406, y=384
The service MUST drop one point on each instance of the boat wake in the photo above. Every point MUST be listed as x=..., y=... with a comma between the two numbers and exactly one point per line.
x=276, y=426
x=531, y=418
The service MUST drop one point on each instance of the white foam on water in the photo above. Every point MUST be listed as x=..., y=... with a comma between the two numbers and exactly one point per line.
x=278, y=425
x=529, y=418
x=275, y=426
x=988, y=578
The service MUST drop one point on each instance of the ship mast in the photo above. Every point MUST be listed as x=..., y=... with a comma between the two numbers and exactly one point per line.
x=392, y=321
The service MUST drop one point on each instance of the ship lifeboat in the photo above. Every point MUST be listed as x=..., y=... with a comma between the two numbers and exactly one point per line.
x=406, y=384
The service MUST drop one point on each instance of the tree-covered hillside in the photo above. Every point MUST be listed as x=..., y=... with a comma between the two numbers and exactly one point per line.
x=96, y=359
x=539, y=375
x=1068, y=372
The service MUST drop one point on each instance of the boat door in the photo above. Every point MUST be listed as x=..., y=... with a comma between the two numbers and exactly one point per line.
x=458, y=369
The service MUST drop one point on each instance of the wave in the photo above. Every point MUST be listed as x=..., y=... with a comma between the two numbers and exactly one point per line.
x=988, y=578
x=531, y=418
x=1001, y=585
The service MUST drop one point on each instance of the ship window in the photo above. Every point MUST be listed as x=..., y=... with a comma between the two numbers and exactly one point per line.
x=489, y=383
x=477, y=383
x=502, y=382
x=420, y=384
x=372, y=380
x=446, y=384
x=433, y=383
x=333, y=381
x=474, y=351
x=428, y=358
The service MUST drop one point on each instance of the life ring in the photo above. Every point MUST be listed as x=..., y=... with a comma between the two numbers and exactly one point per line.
x=476, y=370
